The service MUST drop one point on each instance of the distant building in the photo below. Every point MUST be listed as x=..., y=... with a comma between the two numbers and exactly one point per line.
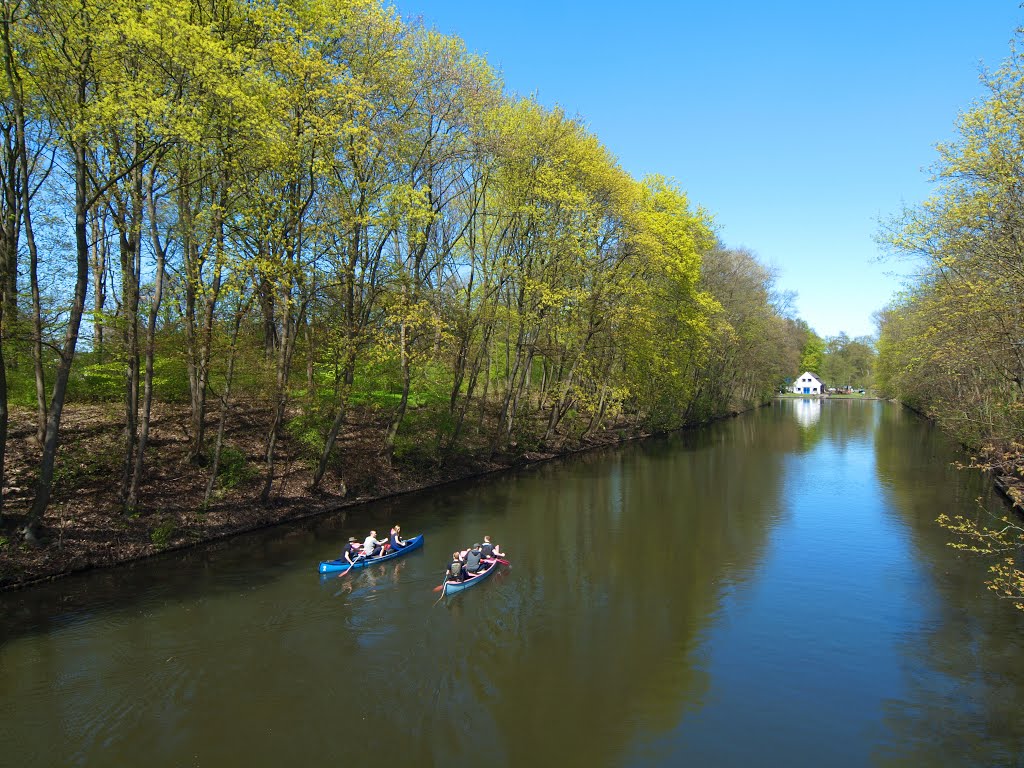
x=808, y=384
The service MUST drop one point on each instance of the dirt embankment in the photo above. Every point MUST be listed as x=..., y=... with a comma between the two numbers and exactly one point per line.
x=1006, y=465
x=86, y=527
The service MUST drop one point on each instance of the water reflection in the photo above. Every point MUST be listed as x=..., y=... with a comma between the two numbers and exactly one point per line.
x=963, y=666
x=807, y=411
x=771, y=574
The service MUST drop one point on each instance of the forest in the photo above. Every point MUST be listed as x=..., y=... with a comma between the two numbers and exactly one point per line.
x=235, y=233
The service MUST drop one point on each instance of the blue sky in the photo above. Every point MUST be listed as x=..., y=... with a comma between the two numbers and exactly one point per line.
x=799, y=125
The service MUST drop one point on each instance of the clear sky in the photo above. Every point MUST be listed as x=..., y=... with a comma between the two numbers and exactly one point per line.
x=799, y=125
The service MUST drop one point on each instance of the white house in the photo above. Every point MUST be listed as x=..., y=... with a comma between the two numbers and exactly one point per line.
x=808, y=384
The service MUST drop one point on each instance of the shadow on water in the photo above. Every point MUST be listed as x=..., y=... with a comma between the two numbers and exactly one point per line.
x=964, y=668
x=619, y=560
x=634, y=549
x=255, y=558
x=248, y=560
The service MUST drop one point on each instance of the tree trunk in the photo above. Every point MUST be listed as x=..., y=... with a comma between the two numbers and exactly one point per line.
x=284, y=361
x=154, y=312
x=129, y=223
x=225, y=404
x=98, y=265
x=389, y=439
x=348, y=376
x=37, y=347
x=67, y=353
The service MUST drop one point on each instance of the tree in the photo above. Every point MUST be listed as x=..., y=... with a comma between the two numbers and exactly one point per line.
x=813, y=357
x=951, y=344
x=73, y=68
x=848, y=362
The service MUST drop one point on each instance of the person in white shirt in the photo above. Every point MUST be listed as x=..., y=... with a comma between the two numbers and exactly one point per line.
x=372, y=547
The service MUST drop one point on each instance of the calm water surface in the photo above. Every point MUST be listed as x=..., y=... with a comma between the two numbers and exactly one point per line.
x=768, y=591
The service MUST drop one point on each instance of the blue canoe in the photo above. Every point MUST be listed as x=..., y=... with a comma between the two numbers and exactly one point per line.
x=332, y=566
x=451, y=587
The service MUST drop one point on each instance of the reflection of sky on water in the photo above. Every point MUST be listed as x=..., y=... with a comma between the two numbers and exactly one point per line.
x=807, y=411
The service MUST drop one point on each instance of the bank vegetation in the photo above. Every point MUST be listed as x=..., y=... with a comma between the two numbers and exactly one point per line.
x=251, y=230
x=952, y=345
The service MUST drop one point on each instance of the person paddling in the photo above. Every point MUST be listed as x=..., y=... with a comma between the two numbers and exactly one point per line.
x=491, y=550
x=372, y=547
x=473, y=558
x=454, y=572
x=352, y=551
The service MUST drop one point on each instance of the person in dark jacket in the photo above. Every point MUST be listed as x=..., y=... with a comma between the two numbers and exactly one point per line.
x=454, y=572
x=352, y=551
x=491, y=550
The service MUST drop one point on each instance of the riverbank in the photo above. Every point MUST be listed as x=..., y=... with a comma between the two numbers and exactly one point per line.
x=1006, y=466
x=827, y=396
x=85, y=526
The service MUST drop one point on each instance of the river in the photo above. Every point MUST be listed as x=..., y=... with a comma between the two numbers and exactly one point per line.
x=771, y=590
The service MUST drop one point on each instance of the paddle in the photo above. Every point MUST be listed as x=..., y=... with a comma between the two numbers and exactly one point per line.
x=351, y=566
x=501, y=560
x=441, y=588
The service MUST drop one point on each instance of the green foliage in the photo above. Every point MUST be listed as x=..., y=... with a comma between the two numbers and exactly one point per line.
x=170, y=379
x=378, y=384
x=352, y=210
x=416, y=442
x=813, y=357
x=105, y=382
x=234, y=469
x=162, y=534
x=848, y=362
x=951, y=344
x=97, y=382
x=308, y=429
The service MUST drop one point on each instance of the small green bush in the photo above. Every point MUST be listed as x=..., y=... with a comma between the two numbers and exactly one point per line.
x=77, y=465
x=234, y=468
x=161, y=535
x=309, y=429
x=97, y=382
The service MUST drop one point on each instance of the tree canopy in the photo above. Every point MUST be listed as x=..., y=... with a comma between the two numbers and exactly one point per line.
x=319, y=207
